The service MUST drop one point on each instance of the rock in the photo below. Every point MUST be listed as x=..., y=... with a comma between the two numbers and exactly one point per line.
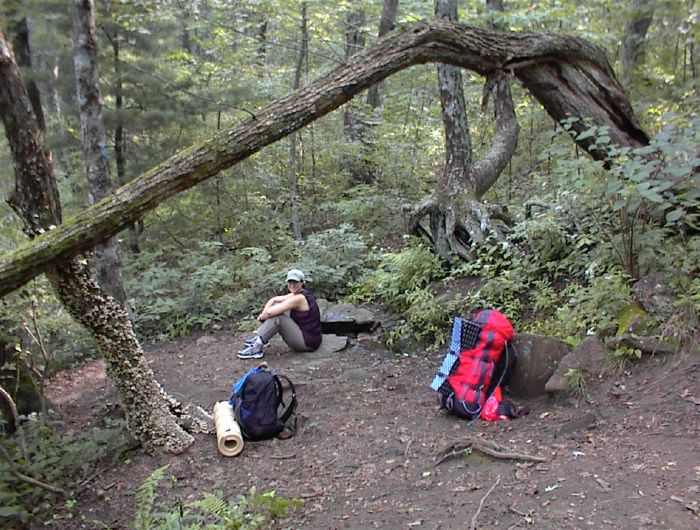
x=588, y=356
x=647, y=345
x=332, y=343
x=345, y=318
x=538, y=358
x=206, y=339
x=329, y=345
x=653, y=293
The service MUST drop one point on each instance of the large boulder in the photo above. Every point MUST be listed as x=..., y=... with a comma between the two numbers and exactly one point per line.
x=538, y=358
x=589, y=356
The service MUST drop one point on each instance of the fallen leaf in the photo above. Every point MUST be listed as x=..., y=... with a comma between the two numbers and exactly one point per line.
x=415, y=523
x=551, y=487
x=544, y=415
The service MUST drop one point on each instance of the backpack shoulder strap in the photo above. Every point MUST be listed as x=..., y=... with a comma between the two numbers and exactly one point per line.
x=292, y=402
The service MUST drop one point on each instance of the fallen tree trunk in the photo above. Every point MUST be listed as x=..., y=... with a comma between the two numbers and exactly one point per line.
x=569, y=76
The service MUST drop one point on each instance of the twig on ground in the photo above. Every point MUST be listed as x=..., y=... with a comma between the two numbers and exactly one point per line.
x=283, y=457
x=312, y=495
x=408, y=446
x=481, y=503
x=488, y=448
x=25, y=478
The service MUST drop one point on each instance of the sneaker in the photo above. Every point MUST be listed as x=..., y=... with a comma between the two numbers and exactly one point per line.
x=250, y=342
x=253, y=351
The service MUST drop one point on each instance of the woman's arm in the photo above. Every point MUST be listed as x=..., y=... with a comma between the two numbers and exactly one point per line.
x=275, y=300
x=287, y=303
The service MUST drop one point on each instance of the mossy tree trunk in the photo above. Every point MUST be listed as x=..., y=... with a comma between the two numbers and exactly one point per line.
x=152, y=416
x=567, y=75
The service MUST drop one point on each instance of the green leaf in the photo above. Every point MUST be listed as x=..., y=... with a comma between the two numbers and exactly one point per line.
x=651, y=195
x=674, y=215
x=11, y=511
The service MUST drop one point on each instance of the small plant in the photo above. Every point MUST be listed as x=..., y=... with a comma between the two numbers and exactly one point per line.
x=43, y=464
x=210, y=511
x=577, y=382
x=622, y=356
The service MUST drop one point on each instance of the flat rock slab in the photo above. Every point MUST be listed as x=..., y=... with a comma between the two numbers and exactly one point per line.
x=329, y=345
x=345, y=318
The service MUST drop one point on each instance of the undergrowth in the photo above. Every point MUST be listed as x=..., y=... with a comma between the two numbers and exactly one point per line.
x=37, y=458
x=211, y=510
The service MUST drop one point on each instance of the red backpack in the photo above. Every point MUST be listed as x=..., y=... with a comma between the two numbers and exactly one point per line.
x=479, y=361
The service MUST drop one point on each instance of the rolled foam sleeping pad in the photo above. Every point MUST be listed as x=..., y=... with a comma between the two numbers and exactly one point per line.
x=228, y=434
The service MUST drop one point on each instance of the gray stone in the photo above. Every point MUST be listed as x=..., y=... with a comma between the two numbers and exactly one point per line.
x=588, y=356
x=654, y=294
x=538, y=358
x=329, y=345
x=345, y=318
x=206, y=339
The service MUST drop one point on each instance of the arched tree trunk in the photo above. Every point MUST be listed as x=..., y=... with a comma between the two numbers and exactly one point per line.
x=152, y=416
x=567, y=75
x=457, y=218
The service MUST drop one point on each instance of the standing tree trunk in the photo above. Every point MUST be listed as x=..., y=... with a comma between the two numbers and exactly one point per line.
x=150, y=412
x=386, y=24
x=23, y=54
x=114, y=36
x=293, y=164
x=94, y=140
x=358, y=164
x=457, y=219
x=634, y=38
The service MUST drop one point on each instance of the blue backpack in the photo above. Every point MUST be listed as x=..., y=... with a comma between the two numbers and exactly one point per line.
x=259, y=407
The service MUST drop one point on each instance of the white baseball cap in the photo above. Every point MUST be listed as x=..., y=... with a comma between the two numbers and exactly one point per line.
x=295, y=275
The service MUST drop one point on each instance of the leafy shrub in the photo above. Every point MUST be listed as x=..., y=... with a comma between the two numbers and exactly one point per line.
x=210, y=511
x=172, y=296
x=52, y=458
x=332, y=259
x=401, y=282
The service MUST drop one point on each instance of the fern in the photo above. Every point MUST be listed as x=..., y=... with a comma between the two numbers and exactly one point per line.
x=145, y=500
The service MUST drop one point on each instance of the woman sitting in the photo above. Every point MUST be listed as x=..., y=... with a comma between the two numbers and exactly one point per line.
x=295, y=316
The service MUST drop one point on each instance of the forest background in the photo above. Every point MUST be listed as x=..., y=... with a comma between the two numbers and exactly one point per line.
x=335, y=199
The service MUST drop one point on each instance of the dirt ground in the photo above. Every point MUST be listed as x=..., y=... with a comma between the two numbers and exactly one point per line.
x=370, y=438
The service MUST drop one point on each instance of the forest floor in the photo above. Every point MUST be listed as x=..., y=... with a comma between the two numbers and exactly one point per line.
x=370, y=439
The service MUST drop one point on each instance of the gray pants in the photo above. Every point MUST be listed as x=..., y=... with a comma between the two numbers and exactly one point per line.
x=288, y=330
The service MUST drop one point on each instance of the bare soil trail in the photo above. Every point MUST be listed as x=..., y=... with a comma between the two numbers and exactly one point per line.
x=370, y=440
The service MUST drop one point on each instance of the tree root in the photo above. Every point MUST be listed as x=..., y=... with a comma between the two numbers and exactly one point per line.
x=486, y=447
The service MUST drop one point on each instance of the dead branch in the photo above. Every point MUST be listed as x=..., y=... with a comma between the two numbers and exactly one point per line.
x=18, y=426
x=481, y=502
x=488, y=448
x=25, y=478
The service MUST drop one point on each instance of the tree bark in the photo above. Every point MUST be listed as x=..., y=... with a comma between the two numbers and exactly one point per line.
x=23, y=56
x=634, y=38
x=569, y=76
x=293, y=189
x=107, y=263
x=386, y=24
x=149, y=410
x=457, y=218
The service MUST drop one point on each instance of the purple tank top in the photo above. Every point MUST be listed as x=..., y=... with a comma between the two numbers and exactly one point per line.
x=309, y=321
